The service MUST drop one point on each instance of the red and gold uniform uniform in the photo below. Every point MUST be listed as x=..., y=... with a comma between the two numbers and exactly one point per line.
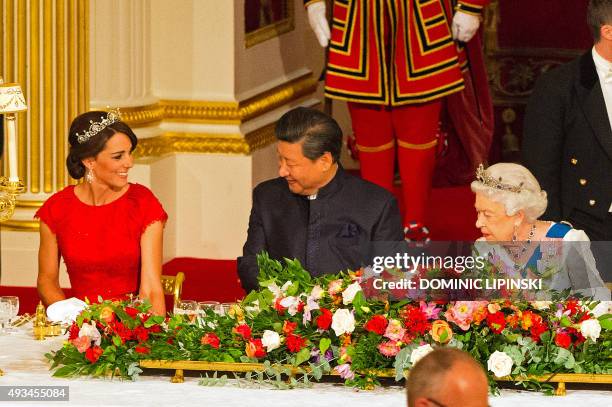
x=393, y=61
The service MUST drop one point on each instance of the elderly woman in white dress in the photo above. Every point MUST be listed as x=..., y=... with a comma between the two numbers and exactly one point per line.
x=509, y=202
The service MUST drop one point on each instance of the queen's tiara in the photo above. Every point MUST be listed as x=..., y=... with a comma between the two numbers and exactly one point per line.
x=112, y=116
x=497, y=183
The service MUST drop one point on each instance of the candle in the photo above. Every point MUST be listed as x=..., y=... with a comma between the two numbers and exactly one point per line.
x=11, y=147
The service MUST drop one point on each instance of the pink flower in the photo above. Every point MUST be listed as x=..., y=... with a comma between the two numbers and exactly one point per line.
x=334, y=287
x=345, y=371
x=394, y=331
x=389, y=348
x=82, y=343
x=461, y=314
x=430, y=310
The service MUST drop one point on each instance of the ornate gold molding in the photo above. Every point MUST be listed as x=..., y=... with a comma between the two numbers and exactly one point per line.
x=29, y=204
x=20, y=225
x=142, y=115
x=272, y=30
x=238, y=112
x=220, y=112
x=175, y=142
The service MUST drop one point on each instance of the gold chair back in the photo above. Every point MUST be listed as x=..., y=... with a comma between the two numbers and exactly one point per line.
x=173, y=285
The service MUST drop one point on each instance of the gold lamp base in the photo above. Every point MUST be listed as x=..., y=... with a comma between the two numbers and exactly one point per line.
x=9, y=190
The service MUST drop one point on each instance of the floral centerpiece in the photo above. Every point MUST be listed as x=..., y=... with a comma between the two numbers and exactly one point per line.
x=327, y=325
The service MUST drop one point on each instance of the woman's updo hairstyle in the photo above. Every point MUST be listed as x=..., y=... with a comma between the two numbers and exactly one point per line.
x=514, y=186
x=94, y=144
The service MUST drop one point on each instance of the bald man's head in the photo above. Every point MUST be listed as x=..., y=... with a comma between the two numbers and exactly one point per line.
x=447, y=377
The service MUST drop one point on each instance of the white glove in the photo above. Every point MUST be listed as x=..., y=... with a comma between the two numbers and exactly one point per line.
x=318, y=22
x=65, y=311
x=464, y=26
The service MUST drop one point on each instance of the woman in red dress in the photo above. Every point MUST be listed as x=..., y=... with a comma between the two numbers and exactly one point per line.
x=108, y=231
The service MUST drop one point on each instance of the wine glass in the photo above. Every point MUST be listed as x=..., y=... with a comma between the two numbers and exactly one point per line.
x=186, y=307
x=204, y=306
x=223, y=309
x=13, y=309
x=5, y=313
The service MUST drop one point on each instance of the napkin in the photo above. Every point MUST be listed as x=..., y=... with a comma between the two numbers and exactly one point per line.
x=65, y=311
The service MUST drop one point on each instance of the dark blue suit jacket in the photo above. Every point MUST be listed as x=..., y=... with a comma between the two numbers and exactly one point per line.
x=331, y=233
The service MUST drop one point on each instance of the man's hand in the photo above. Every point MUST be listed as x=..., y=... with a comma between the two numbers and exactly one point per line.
x=318, y=22
x=464, y=26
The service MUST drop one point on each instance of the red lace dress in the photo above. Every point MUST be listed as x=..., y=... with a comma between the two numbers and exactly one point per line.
x=101, y=244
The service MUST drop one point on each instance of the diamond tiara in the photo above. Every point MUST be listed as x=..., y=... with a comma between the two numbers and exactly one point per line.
x=497, y=183
x=112, y=116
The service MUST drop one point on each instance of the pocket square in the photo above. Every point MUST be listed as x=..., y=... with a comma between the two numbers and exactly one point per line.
x=349, y=230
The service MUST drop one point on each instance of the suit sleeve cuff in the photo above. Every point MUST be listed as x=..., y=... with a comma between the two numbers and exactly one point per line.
x=470, y=7
x=309, y=2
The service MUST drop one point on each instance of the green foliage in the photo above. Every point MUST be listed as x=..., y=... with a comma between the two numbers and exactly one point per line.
x=214, y=338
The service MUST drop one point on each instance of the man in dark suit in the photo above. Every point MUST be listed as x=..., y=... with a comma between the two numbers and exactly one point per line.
x=568, y=137
x=315, y=211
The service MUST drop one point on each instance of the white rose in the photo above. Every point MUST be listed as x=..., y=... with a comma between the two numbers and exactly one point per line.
x=291, y=303
x=91, y=331
x=500, y=364
x=541, y=305
x=604, y=307
x=349, y=293
x=343, y=321
x=420, y=352
x=590, y=329
x=271, y=340
x=317, y=292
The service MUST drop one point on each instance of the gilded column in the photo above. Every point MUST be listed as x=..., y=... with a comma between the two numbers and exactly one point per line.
x=44, y=48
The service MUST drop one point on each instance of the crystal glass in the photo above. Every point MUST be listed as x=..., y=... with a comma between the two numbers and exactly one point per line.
x=13, y=308
x=203, y=306
x=186, y=307
x=5, y=313
x=223, y=309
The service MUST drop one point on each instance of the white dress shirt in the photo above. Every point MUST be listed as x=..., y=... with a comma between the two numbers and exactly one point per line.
x=604, y=71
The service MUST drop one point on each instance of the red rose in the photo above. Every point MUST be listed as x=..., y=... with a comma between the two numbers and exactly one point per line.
x=497, y=322
x=295, y=343
x=141, y=333
x=142, y=349
x=93, y=354
x=577, y=336
x=415, y=321
x=377, y=324
x=563, y=340
x=324, y=320
x=210, y=339
x=74, y=331
x=278, y=307
x=243, y=330
x=537, y=329
x=144, y=317
x=573, y=306
x=300, y=307
x=154, y=329
x=254, y=349
x=131, y=311
x=122, y=331
x=170, y=341
x=289, y=327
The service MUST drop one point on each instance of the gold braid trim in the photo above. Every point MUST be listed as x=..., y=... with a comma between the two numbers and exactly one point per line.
x=376, y=149
x=411, y=146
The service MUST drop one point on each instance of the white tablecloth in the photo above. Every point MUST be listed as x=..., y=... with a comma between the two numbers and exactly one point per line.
x=23, y=362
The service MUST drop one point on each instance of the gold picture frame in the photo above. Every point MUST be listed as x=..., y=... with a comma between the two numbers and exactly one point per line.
x=259, y=28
